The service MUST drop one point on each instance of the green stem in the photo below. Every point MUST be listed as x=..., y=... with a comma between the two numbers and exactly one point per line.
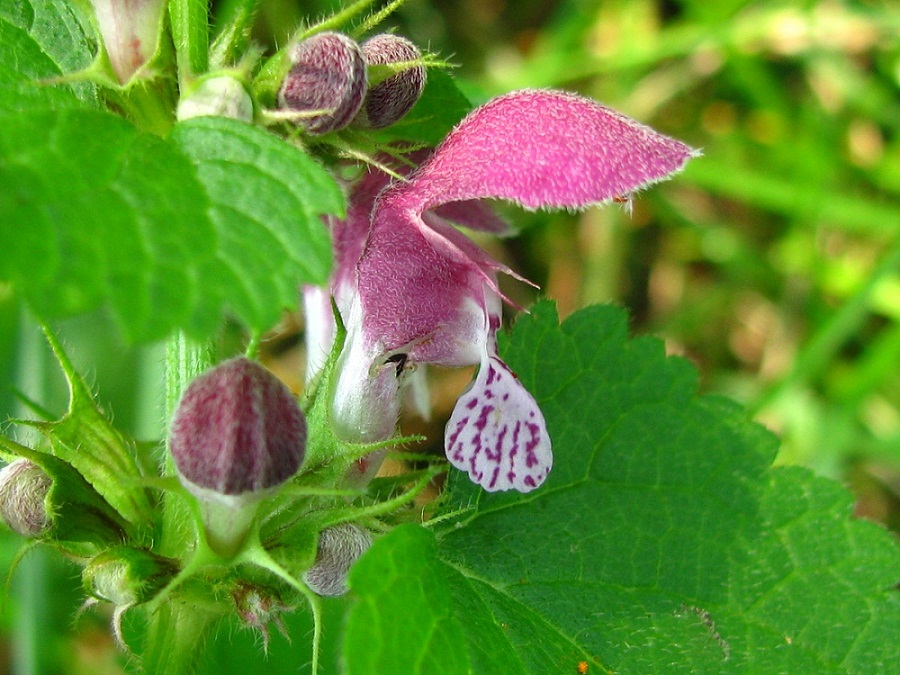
x=190, y=32
x=176, y=629
x=185, y=360
x=150, y=105
x=175, y=638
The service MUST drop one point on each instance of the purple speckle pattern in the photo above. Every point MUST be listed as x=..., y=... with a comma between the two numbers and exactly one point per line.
x=237, y=429
x=497, y=433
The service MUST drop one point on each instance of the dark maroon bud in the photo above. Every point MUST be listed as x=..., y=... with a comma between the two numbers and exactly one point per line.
x=327, y=80
x=237, y=431
x=237, y=435
x=339, y=547
x=392, y=98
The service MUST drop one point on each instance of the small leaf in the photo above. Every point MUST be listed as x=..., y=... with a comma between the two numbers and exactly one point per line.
x=441, y=106
x=267, y=202
x=86, y=439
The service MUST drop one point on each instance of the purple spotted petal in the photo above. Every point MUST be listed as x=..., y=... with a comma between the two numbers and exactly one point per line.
x=543, y=149
x=497, y=432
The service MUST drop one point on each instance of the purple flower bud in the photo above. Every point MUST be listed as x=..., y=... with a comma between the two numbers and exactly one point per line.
x=238, y=430
x=237, y=435
x=327, y=81
x=339, y=547
x=391, y=99
x=23, y=492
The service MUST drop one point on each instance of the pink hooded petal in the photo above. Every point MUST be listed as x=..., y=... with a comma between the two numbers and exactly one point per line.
x=542, y=149
x=418, y=291
x=497, y=432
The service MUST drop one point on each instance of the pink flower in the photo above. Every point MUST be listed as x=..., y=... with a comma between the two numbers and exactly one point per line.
x=420, y=292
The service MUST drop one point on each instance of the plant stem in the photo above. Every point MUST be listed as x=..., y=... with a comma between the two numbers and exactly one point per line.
x=190, y=32
x=177, y=631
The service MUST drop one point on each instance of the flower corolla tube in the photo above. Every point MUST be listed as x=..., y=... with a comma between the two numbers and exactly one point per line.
x=413, y=290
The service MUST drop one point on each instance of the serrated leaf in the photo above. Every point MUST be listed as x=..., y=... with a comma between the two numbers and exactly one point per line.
x=267, y=199
x=85, y=439
x=40, y=40
x=661, y=541
x=97, y=214
x=404, y=622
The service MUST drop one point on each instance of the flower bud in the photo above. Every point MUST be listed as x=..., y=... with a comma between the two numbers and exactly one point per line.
x=339, y=547
x=130, y=30
x=391, y=99
x=327, y=81
x=23, y=492
x=219, y=96
x=127, y=576
x=43, y=497
x=237, y=435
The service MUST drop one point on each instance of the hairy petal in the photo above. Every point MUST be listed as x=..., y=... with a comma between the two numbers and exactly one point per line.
x=367, y=395
x=417, y=289
x=497, y=432
x=474, y=215
x=542, y=149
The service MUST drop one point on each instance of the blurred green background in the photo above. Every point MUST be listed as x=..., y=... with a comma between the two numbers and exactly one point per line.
x=772, y=263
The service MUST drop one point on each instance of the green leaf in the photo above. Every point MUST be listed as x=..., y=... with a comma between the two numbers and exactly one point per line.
x=267, y=202
x=97, y=214
x=440, y=108
x=661, y=541
x=40, y=40
x=404, y=620
x=86, y=439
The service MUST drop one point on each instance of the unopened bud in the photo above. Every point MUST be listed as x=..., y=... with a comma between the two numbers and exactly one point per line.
x=339, y=547
x=219, y=96
x=130, y=30
x=389, y=100
x=327, y=81
x=43, y=497
x=23, y=494
x=237, y=434
x=127, y=576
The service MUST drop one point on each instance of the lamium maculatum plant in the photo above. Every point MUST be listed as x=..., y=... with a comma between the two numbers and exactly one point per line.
x=583, y=509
